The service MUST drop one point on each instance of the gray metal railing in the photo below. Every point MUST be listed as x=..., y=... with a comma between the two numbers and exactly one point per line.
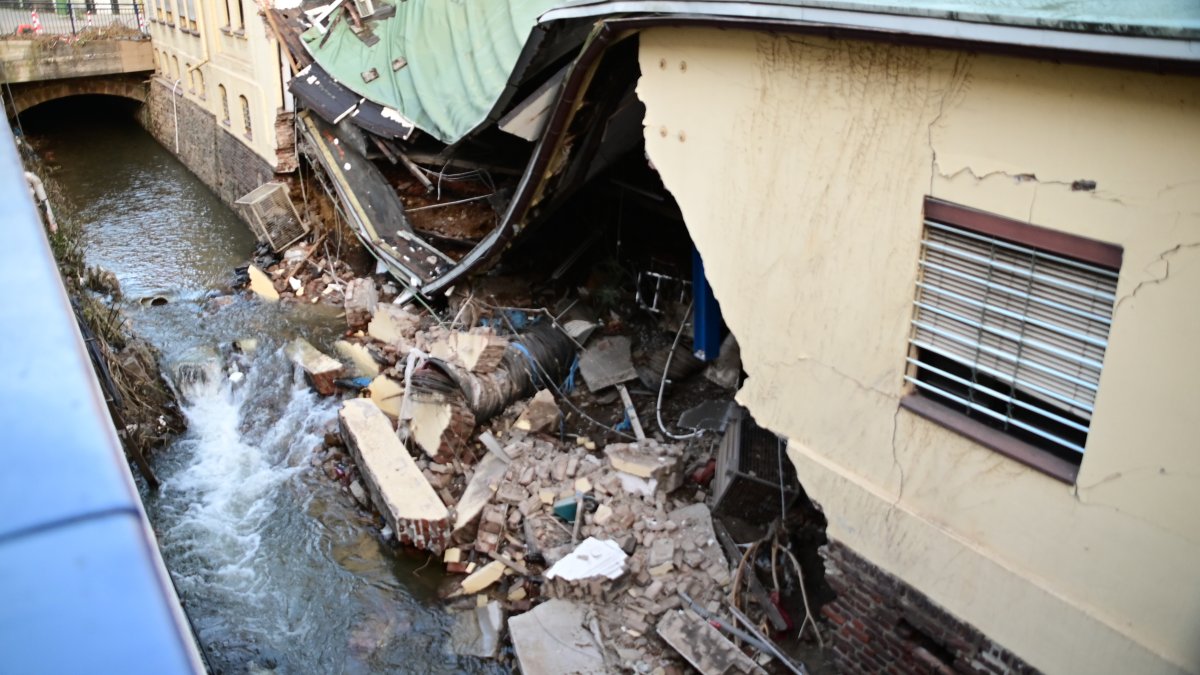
x=32, y=18
x=82, y=585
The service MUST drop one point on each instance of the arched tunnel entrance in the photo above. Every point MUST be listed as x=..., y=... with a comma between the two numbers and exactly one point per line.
x=20, y=98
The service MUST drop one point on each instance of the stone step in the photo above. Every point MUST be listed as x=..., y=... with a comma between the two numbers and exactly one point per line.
x=397, y=487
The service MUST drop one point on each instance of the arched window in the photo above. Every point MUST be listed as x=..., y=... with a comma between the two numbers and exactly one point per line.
x=224, y=104
x=246, y=116
x=191, y=77
x=174, y=68
x=200, y=90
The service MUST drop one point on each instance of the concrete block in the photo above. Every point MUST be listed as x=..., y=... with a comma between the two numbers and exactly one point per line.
x=401, y=493
x=319, y=369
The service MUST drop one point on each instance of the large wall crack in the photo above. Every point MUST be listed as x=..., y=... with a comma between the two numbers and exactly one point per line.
x=1165, y=259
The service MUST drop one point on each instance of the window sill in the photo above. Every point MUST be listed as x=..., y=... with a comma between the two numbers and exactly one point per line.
x=996, y=440
x=226, y=30
x=225, y=122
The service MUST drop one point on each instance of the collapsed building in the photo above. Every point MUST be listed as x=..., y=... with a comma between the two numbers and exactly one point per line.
x=941, y=244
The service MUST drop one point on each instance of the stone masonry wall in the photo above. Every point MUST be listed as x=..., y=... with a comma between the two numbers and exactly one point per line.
x=222, y=162
x=883, y=625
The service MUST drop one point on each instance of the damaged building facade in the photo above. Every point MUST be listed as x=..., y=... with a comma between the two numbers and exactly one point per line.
x=866, y=174
x=958, y=251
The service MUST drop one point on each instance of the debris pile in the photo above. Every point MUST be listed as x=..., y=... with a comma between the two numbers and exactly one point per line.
x=459, y=439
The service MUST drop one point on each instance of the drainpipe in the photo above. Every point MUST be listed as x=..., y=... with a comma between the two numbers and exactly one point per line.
x=175, y=111
x=39, y=194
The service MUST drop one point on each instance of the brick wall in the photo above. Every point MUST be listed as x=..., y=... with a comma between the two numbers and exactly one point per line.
x=883, y=625
x=222, y=162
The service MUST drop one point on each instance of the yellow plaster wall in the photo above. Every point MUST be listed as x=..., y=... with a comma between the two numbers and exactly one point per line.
x=800, y=165
x=246, y=63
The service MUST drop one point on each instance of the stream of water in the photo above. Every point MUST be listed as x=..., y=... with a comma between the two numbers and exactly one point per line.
x=276, y=566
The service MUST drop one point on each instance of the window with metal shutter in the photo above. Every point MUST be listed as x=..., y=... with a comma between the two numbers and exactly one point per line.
x=1011, y=334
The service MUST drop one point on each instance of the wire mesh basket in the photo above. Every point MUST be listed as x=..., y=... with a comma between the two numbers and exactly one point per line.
x=272, y=216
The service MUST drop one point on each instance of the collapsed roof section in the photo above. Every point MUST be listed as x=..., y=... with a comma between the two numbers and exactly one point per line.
x=544, y=90
x=440, y=65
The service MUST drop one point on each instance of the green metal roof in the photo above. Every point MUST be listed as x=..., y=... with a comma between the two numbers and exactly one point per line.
x=457, y=55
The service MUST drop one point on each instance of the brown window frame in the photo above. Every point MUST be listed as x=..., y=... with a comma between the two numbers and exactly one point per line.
x=1033, y=236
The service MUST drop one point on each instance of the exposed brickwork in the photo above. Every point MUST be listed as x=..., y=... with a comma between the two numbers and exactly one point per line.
x=222, y=162
x=883, y=625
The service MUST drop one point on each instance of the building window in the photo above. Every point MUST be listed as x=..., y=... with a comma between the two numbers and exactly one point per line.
x=191, y=78
x=199, y=77
x=175, y=68
x=192, y=23
x=1010, y=327
x=241, y=16
x=224, y=104
x=246, y=116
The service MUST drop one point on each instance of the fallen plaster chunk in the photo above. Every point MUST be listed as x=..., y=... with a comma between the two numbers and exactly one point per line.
x=552, y=639
x=361, y=361
x=481, y=578
x=440, y=427
x=480, y=490
x=262, y=285
x=702, y=645
x=393, y=325
x=387, y=394
x=476, y=632
x=480, y=350
x=320, y=370
x=401, y=493
x=592, y=558
x=540, y=415
x=606, y=362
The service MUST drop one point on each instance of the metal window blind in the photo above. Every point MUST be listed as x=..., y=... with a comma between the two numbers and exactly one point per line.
x=1032, y=324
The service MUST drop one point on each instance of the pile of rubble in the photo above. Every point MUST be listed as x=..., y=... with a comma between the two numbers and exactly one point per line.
x=459, y=442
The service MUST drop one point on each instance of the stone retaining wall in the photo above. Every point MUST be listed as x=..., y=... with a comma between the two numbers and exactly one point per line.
x=205, y=146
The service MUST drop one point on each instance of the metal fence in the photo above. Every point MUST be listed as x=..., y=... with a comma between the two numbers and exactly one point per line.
x=31, y=18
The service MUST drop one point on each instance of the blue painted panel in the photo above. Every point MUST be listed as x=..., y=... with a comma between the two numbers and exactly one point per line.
x=87, y=599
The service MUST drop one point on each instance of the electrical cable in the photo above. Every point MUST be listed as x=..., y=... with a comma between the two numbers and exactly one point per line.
x=662, y=385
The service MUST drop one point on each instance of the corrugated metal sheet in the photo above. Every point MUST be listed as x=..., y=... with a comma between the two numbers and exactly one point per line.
x=454, y=56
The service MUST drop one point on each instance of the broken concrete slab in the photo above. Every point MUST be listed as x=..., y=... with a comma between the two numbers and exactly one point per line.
x=552, y=639
x=362, y=362
x=393, y=325
x=479, y=491
x=319, y=369
x=361, y=301
x=387, y=394
x=476, y=632
x=261, y=284
x=702, y=645
x=606, y=362
x=541, y=414
x=401, y=493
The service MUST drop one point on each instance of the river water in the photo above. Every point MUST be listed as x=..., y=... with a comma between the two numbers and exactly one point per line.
x=277, y=568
